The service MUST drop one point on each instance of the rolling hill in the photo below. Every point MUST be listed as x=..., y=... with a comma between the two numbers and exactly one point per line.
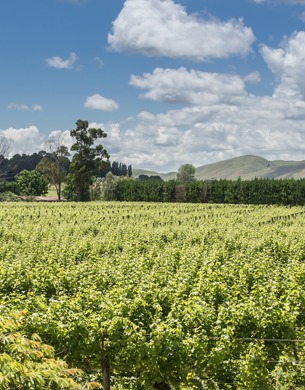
x=245, y=167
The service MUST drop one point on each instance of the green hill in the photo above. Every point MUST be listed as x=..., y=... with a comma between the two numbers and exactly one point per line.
x=245, y=167
x=165, y=176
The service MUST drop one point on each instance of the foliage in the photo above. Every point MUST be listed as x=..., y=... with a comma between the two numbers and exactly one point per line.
x=69, y=190
x=183, y=295
x=186, y=173
x=27, y=364
x=106, y=188
x=140, y=191
x=5, y=145
x=146, y=177
x=31, y=183
x=87, y=161
x=54, y=168
x=156, y=190
x=117, y=169
x=8, y=186
x=257, y=191
x=8, y=196
x=14, y=165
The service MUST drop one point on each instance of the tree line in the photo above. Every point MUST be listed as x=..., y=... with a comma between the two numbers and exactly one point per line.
x=255, y=191
x=31, y=174
x=89, y=175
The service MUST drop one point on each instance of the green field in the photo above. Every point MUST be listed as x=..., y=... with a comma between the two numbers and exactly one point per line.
x=191, y=296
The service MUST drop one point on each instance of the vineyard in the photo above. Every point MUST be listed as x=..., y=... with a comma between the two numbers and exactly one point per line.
x=153, y=295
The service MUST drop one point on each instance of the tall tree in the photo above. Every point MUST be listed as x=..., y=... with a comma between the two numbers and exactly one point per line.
x=87, y=161
x=129, y=171
x=186, y=173
x=5, y=145
x=55, y=165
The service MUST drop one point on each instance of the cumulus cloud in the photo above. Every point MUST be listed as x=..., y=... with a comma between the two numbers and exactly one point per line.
x=220, y=119
x=98, y=102
x=205, y=134
x=24, y=107
x=268, y=126
x=163, y=28
x=57, y=137
x=217, y=118
x=59, y=63
x=288, y=65
x=189, y=87
x=23, y=140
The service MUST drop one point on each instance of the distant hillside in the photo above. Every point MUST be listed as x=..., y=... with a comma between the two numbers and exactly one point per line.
x=249, y=167
x=165, y=176
x=245, y=167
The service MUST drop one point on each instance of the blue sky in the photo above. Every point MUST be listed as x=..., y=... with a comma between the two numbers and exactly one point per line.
x=170, y=81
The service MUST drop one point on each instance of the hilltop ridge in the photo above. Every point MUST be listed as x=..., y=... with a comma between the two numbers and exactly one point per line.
x=245, y=167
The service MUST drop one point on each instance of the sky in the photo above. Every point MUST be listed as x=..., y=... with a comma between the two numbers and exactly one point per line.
x=170, y=81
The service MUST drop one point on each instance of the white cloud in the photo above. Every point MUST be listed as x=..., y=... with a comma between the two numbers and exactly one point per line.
x=146, y=116
x=199, y=134
x=59, y=63
x=253, y=77
x=25, y=107
x=60, y=137
x=222, y=120
x=24, y=140
x=36, y=107
x=189, y=87
x=167, y=136
x=205, y=134
x=113, y=143
x=269, y=126
x=163, y=28
x=18, y=107
x=98, y=102
x=288, y=64
x=216, y=119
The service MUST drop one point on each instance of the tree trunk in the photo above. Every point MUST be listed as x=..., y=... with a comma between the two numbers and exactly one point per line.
x=105, y=364
x=106, y=374
x=58, y=192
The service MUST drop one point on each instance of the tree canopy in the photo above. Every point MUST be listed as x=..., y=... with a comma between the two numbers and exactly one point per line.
x=54, y=167
x=31, y=183
x=88, y=159
x=186, y=173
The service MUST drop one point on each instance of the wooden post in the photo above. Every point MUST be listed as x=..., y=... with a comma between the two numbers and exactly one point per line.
x=105, y=364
